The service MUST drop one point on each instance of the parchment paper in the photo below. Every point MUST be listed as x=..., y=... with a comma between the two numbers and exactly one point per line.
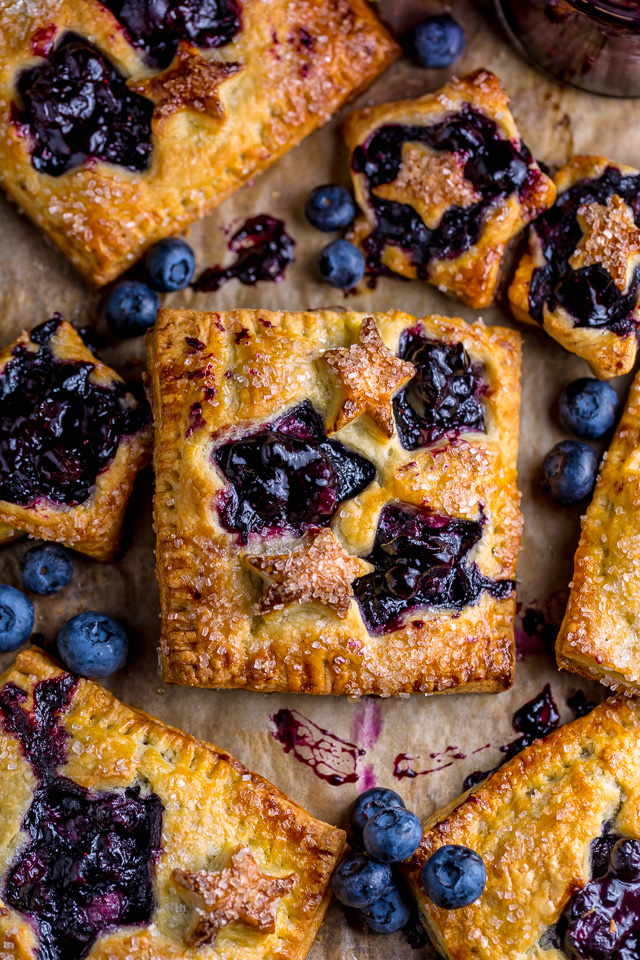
x=35, y=280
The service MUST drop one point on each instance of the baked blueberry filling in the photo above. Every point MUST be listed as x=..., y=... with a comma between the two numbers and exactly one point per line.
x=444, y=396
x=589, y=294
x=421, y=560
x=58, y=429
x=264, y=251
x=76, y=107
x=496, y=167
x=158, y=26
x=289, y=477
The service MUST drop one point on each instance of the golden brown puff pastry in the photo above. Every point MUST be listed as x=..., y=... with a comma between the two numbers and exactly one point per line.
x=76, y=443
x=444, y=184
x=293, y=450
x=128, y=174
x=124, y=839
x=580, y=278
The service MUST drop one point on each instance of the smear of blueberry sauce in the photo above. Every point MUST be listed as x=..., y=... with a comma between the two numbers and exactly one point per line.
x=76, y=107
x=589, y=294
x=264, y=251
x=330, y=757
x=87, y=866
x=58, y=429
x=579, y=705
x=288, y=477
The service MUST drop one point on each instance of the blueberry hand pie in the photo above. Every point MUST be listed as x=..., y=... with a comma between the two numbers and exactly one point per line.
x=125, y=838
x=72, y=441
x=580, y=278
x=444, y=184
x=123, y=121
x=336, y=501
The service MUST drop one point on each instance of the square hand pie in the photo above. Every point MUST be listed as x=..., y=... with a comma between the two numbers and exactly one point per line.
x=444, y=184
x=72, y=442
x=125, y=839
x=600, y=633
x=580, y=278
x=336, y=501
x=120, y=125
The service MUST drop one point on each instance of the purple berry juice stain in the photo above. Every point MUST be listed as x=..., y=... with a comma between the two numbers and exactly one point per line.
x=264, y=251
x=330, y=757
x=367, y=729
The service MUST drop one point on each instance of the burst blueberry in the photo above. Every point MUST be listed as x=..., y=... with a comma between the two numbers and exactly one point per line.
x=93, y=645
x=170, y=265
x=436, y=42
x=16, y=618
x=330, y=207
x=46, y=569
x=625, y=859
x=569, y=472
x=341, y=264
x=359, y=881
x=131, y=308
x=392, y=835
x=588, y=408
x=454, y=876
x=369, y=803
x=389, y=913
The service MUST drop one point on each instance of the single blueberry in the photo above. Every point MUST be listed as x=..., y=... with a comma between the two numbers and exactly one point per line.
x=625, y=859
x=131, y=308
x=389, y=913
x=16, y=618
x=588, y=408
x=367, y=804
x=170, y=265
x=359, y=881
x=436, y=42
x=392, y=835
x=329, y=208
x=454, y=876
x=46, y=569
x=341, y=264
x=93, y=645
x=569, y=472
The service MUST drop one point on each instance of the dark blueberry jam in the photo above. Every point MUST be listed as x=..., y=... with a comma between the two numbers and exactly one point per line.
x=289, y=476
x=444, y=396
x=421, y=560
x=496, y=167
x=579, y=705
x=58, y=429
x=264, y=250
x=589, y=294
x=158, y=26
x=77, y=107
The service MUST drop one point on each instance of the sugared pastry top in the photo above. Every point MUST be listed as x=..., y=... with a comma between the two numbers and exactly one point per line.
x=72, y=441
x=122, y=122
x=124, y=838
x=444, y=184
x=580, y=278
x=336, y=501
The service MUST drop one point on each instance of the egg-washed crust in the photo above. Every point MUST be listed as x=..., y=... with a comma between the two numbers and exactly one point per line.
x=102, y=216
x=212, y=803
x=95, y=526
x=600, y=633
x=473, y=276
x=608, y=353
x=260, y=364
x=532, y=822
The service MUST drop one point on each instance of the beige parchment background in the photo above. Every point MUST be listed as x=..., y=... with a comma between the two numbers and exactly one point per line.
x=35, y=281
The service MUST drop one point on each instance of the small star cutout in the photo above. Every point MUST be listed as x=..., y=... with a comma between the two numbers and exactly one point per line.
x=430, y=184
x=610, y=237
x=319, y=570
x=369, y=375
x=191, y=82
x=239, y=892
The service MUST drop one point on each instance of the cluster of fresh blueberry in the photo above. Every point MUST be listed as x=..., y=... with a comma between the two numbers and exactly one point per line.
x=588, y=409
x=453, y=877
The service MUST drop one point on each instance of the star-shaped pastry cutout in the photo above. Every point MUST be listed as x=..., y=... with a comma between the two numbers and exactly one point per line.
x=369, y=375
x=319, y=570
x=190, y=83
x=239, y=892
x=430, y=183
x=610, y=237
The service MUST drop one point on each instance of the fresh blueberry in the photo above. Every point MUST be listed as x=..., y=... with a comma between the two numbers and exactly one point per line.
x=93, y=645
x=569, y=472
x=625, y=859
x=392, y=834
x=454, y=876
x=329, y=208
x=359, y=881
x=131, y=308
x=46, y=569
x=170, y=265
x=16, y=618
x=389, y=913
x=588, y=407
x=436, y=42
x=341, y=264
x=367, y=804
